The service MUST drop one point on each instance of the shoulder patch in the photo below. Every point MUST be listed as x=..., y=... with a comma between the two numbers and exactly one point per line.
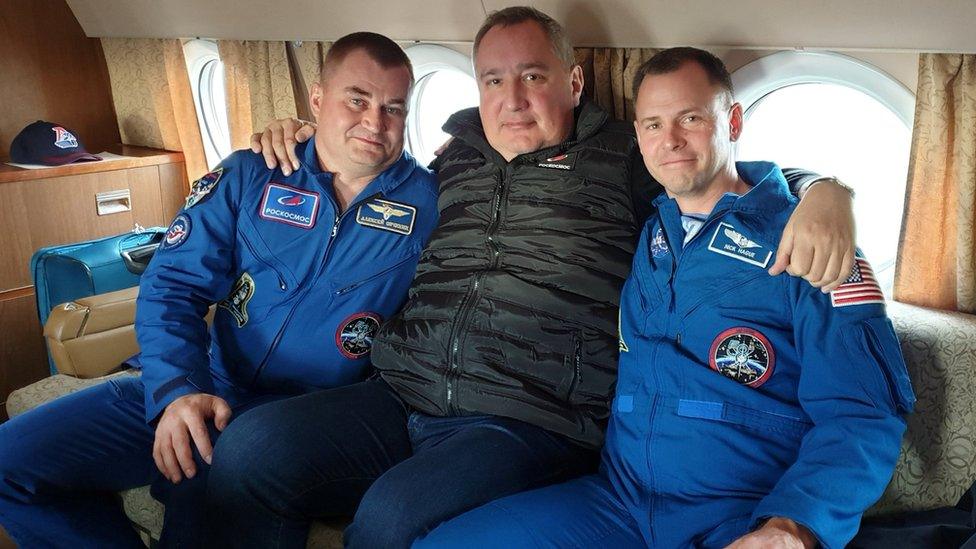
x=659, y=244
x=289, y=205
x=202, y=187
x=177, y=233
x=387, y=215
x=730, y=242
x=860, y=288
x=238, y=298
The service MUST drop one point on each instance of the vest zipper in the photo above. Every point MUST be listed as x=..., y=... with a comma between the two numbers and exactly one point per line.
x=453, y=373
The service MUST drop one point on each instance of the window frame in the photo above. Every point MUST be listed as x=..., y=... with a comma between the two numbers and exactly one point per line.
x=201, y=57
x=759, y=78
x=428, y=59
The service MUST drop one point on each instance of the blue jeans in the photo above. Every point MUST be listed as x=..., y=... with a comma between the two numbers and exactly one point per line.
x=61, y=465
x=359, y=451
x=589, y=512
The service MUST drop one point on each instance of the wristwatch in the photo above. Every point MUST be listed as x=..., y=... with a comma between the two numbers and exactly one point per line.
x=838, y=182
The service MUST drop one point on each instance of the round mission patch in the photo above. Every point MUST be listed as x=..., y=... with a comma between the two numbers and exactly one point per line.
x=354, y=338
x=743, y=355
x=177, y=233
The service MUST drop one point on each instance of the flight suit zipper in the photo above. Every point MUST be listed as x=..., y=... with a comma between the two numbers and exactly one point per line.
x=308, y=287
x=281, y=279
x=354, y=285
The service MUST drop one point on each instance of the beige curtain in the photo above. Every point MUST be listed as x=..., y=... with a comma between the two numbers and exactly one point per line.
x=937, y=253
x=266, y=81
x=608, y=75
x=153, y=100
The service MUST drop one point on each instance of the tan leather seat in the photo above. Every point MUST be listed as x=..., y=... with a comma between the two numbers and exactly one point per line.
x=91, y=337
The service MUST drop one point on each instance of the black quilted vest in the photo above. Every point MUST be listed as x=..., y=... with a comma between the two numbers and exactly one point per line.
x=513, y=311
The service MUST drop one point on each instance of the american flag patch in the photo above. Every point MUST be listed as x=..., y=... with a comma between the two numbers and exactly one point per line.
x=859, y=288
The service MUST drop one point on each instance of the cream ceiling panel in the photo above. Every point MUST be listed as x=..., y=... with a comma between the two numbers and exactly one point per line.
x=905, y=25
x=434, y=20
x=931, y=25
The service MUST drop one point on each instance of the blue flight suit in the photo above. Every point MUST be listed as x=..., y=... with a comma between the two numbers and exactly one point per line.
x=300, y=291
x=740, y=397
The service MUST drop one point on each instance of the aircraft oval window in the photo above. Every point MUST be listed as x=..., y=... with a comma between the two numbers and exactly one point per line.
x=206, y=73
x=444, y=84
x=838, y=116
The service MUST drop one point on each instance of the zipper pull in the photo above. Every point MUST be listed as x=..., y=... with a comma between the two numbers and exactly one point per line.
x=335, y=227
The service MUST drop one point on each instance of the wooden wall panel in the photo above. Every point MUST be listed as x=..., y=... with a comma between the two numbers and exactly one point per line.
x=15, y=241
x=173, y=188
x=146, y=202
x=48, y=211
x=23, y=358
x=62, y=210
x=52, y=71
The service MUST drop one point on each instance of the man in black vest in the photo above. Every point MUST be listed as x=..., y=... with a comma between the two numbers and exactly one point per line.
x=496, y=375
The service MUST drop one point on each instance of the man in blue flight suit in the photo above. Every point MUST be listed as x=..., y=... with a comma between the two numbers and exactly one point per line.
x=303, y=269
x=750, y=411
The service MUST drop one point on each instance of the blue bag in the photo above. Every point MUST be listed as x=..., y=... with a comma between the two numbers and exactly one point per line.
x=71, y=271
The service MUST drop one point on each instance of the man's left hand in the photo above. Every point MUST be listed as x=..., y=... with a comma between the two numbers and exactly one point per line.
x=818, y=241
x=777, y=533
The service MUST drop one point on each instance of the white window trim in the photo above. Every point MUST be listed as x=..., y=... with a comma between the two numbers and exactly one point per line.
x=763, y=76
x=756, y=80
x=426, y=60
x=216, y=140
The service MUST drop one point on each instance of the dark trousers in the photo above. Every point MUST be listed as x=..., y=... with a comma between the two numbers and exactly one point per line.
x=359, y=451
x=62, y=464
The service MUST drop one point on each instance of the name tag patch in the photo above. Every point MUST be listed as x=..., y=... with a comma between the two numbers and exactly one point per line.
x=387, y=215
x=566, y=161
x=289, y=205
x=730, y=242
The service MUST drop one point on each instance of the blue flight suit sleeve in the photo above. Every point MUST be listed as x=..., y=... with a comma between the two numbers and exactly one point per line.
x=855, y=389
x=192, y=269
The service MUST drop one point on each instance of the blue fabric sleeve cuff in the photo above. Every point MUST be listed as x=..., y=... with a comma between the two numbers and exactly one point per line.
x=159, y=399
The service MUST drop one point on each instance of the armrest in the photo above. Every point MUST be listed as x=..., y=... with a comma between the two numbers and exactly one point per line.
x=91, y=337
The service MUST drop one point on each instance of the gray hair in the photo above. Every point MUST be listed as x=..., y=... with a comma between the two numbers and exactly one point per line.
x=515, y=15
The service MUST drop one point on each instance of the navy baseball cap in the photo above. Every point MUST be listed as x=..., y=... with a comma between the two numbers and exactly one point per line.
x=47, y=143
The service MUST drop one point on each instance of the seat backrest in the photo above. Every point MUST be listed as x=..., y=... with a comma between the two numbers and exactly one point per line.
x=938, y=455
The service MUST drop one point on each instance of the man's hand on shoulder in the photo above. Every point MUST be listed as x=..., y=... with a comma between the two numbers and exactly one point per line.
x=277, y=142
x=777, y=533
x=182, y=422
x=818, y=241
